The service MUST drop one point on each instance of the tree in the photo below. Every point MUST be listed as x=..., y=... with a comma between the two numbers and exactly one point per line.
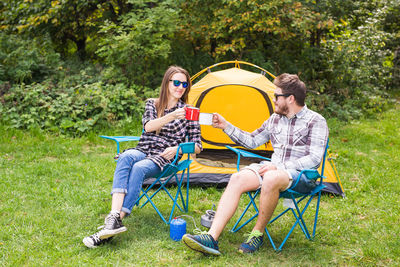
x=136, y=50
x=71, y=24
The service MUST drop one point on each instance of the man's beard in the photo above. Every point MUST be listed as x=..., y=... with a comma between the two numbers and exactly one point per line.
x=283, y=110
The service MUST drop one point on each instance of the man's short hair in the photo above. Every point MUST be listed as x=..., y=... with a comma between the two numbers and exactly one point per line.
x=291, y=84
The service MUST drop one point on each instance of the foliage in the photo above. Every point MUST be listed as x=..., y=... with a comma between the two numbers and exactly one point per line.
x=356, y=70
x=136, y=49
x=26, y=60
x=71, y=24
x=73, y=110
x=348, y=53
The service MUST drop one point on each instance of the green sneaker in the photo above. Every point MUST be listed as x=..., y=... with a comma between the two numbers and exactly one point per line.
x=253, y=242
x=203, y=243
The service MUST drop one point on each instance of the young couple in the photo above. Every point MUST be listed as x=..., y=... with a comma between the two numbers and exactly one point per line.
x=297, y=134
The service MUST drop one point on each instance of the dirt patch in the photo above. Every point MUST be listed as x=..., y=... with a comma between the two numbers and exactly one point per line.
x=223, y=158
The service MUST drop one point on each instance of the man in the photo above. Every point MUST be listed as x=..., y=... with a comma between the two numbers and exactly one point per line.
x=298, y=136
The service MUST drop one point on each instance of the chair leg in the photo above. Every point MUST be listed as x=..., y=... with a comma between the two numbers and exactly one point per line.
x=298, y=215
x=179, y=183
x=178, y=193
x=316, y=215
x=162, y=187
x=236, y=228
x=271, y=241
x=187, y=191
x=154, y=206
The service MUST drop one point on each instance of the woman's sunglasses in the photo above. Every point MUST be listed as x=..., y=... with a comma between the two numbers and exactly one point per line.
x=177, y=83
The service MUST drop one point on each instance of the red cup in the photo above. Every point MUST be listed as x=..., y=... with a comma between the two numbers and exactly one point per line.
x=192, y=113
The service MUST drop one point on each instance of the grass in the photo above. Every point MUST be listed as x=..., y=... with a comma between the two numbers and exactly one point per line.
x=54, y=191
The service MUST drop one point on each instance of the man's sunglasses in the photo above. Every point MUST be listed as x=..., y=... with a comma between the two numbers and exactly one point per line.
x=278, y=95
x=177, y=83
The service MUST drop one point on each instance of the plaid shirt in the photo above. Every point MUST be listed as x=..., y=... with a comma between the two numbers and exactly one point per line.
x=299, y=142
x=172, y=134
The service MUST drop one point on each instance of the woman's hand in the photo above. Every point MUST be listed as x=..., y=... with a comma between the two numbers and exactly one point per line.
x=178, y=114
x=169, y=153
x=268, y=166
x=157, y=124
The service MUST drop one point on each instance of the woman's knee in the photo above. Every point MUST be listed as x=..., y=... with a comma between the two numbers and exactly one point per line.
x=131, y=156
x=146, y=168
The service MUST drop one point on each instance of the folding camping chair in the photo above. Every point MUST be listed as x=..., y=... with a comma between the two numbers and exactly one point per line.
x=293, y=197
x=172, y=170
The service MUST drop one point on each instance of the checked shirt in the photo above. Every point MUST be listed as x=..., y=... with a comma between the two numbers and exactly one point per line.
x=171, y=134
x=299, y=142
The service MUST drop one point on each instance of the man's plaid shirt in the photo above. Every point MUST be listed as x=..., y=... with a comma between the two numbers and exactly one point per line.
x=299, y=142
x=171, y=134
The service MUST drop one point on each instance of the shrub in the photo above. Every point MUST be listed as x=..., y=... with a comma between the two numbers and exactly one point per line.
x=137, y=49
x=26, y=60
x=356, y=72
x=72, y=110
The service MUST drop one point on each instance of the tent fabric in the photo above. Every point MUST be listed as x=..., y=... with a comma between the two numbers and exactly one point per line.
x=231, y=93
x=244, y=98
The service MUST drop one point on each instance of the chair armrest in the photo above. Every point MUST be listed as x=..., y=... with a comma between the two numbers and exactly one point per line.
x=311, y=174
x=119, y=139
x=246, y=154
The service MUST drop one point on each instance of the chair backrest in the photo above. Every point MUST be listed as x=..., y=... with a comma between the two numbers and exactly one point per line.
x=324, y=157
x=186, y=148
x=310, y=174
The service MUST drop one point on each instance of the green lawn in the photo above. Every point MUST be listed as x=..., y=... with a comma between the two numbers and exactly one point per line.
x=55, y=190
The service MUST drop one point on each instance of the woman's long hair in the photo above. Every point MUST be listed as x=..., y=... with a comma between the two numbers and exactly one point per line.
x=162, y=101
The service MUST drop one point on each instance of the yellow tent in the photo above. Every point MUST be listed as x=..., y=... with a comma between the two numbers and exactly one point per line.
x=244, y=98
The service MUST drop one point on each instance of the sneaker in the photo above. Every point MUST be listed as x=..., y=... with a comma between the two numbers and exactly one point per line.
x=253, y=242
x=94, y=241
x=203, y=243
x=112, y=226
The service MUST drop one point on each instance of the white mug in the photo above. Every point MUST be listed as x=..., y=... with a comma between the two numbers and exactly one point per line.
x=205, y=118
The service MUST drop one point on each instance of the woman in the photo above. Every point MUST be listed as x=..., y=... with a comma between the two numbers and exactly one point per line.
x=165, y=127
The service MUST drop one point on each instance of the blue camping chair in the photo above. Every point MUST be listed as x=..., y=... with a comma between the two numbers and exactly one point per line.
x=293, y=197
x=175, y=170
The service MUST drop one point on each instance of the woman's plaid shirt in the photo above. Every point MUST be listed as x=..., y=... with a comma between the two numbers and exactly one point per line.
x=299, y=142
x=171, y=134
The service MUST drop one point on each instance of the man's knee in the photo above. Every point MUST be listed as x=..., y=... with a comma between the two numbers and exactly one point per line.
x=234, y=181
x=274, y=181
x=243, y=181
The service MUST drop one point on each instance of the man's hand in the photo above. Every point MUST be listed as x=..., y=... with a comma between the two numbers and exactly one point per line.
x=169, y=152
x=219, y=122
x=268, y=166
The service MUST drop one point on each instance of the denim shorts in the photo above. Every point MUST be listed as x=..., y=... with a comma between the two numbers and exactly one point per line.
x=304, y=185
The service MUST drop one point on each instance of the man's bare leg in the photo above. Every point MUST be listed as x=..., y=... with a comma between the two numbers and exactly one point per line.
x=239, y=183
x=273, y=183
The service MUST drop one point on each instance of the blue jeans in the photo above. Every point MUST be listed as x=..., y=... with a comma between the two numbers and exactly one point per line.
x=132, y=168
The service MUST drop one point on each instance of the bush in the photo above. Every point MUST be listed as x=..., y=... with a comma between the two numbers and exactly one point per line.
x=26, y=60
x=356, y=71
x=72, y=110
x=137, y=49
